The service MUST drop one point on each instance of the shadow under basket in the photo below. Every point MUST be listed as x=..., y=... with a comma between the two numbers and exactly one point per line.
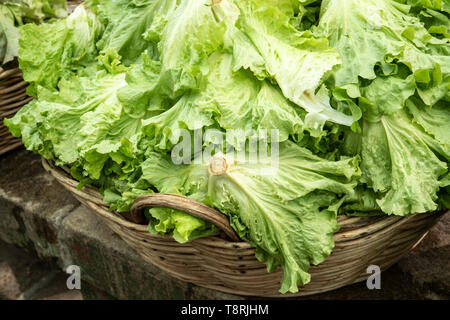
x=13, y=96
x=226, y=263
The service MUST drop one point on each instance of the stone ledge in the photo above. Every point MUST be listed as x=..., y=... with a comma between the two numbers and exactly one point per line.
x=39, y=215
x=113, y=267
x=25, y=277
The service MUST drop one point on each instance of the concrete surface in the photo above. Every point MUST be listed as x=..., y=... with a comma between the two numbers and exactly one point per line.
x=25, y=276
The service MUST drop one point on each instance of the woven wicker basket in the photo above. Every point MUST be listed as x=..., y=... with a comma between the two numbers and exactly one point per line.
x=227, y=264
x=12, y=97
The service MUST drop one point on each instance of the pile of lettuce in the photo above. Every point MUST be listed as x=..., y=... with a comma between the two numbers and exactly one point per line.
x=357, y=91
x=15, y=13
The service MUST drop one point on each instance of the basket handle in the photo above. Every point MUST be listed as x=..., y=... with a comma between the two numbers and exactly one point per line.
x=179, y=202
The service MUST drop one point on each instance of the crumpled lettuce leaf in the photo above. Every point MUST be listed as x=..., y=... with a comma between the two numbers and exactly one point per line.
x=434, y=120
x=378, y=33
x=182, y=226
x=281, y=46
x=58, y=49
x=189, y=37
x=14, y=13
x=58, y=117
x=400, y=162
x=441, y=5
x=36, y=11
x=436, y=21
x=164, y=130
x=286, y=214
x=128, y=22
x=387, y=95
x=243, y=102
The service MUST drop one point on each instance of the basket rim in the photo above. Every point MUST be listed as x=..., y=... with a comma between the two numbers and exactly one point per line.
x=350, y=226
x=383, y=238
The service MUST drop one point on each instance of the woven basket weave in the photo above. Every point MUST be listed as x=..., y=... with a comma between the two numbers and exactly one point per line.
x=12, y=97
x=227, y=264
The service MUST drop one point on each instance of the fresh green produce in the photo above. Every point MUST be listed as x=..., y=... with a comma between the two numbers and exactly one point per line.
x=349, y=97
x=14, y=13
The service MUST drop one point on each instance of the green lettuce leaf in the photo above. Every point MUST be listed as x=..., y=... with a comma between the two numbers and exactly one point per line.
x=36, y=11
x=165, y=130
x=189, y=37
x=441, y=5
x=268, y=205
x=399, y=162
x=387, y=95
x=9, y=36
x=128, y=22
x=266, y=25
x=182, y=226
x=57, y=117
x=243, y=102
x=434, y=120
x=14, y=13
x=370, y=34
x=58, y=49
